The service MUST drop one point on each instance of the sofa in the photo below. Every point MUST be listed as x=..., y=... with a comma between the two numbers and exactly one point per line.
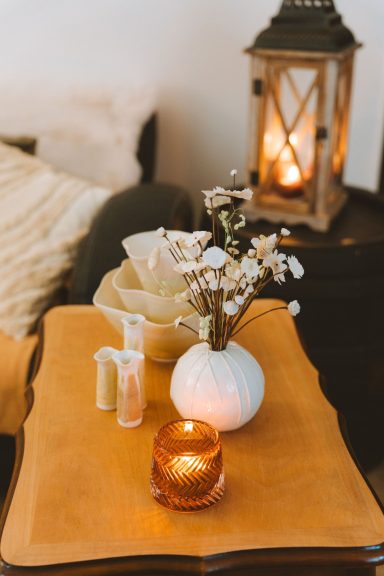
x=144, y=206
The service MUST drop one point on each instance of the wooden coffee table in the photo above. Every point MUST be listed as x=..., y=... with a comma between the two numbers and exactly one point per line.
x=295, y=501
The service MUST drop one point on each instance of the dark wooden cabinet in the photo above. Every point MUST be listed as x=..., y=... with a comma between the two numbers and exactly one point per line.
x=342, y=317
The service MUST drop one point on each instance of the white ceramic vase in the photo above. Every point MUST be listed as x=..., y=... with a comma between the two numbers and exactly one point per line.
x=222, y=388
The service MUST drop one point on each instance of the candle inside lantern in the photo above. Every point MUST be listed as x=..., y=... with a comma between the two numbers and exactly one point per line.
x=187, y=466
x=288, y=175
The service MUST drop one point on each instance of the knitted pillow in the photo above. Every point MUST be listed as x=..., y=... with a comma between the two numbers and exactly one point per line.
x=44, y=214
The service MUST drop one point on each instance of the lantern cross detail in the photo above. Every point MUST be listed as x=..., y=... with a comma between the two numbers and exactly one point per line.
x=289, y=129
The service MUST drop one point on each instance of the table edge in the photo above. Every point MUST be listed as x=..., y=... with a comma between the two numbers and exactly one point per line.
x=370, y=555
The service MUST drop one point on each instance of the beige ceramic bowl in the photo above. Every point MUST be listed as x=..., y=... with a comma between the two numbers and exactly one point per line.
x=161, y=341
x=155, y=308
x=139, y=246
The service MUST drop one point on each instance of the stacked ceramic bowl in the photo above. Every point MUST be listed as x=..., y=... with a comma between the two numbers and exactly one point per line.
x=134, y=288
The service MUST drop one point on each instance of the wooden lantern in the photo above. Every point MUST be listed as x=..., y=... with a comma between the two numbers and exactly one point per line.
x=301, y=75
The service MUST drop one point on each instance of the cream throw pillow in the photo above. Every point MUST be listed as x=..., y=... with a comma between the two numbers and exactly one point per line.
x=44, y=214
x=91, y=132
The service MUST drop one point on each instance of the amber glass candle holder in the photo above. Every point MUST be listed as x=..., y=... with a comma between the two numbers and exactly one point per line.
x=187, y=466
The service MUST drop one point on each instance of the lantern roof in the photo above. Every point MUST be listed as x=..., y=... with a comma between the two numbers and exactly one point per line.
x=308, y=25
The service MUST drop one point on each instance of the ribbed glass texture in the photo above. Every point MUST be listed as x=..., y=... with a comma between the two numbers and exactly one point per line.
x=187, y=466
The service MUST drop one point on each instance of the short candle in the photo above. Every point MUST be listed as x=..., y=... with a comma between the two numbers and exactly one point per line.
x=187, y=466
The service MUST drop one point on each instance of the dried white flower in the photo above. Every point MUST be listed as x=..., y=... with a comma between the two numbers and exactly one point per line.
x=186, y=267
x=285, y=232
x=264, y=245
x=295, y=267
x=250, y=267
x=249, y=289
x=233, y=270
x=195, y=287
x=183, y=296
x=233, y=172
x=205, y=327
x=161, y=231
x=154, y=258
x=214, y=284
x=230, y=307
x=177, y=321
x=215, y=257
x=294, y=308
x=239, y=300
x=243, y=283
x=200, y=236
x=275, y=261
x=216, y=201
x=251, y=253
x=210, y=275
x=245, y=194
x=227, y=284
x=233, y=251
x=199, y=285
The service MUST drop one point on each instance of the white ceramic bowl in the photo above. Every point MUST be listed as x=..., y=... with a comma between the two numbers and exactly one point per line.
x=156, y=308
x=139, y=246
x=162, y=342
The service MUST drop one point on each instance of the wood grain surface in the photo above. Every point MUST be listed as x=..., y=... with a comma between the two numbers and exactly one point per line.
x=83, y=489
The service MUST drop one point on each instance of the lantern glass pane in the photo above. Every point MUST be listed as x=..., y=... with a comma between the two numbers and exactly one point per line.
x=288, y=151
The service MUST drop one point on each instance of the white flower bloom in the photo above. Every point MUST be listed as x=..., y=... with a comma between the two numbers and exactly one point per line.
x=197, y=286
x=183, y=296
x=216, y=201
x=177, y=321
x=227, y=284
x=251, y=253
x=245, y=194
x=239, y=300
x=233, y=172
x=214, y=285
x=264, y=245
x=214, y=192
x=215, y=257
x=154, y=258
x=186, y=267
x=295, y=267
x=200, y=236
x=230, y=307
x=250, y=267
x=294, y=308
x=243, y=283
x=210, y=275
x=174, y=238
x=161, y=231
x=233, y=270
x=205, y=327
x=249, y=289
x=219, y=192
x=275, y=261
x=285, y=232
x=233, y=251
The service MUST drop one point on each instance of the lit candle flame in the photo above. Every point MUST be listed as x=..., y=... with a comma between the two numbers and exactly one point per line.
x=188, y=426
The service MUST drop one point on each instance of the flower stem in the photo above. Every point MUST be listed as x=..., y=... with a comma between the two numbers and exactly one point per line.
x=259, y=316
x=189, y=328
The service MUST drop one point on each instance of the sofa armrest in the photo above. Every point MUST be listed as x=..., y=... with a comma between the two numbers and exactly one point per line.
x=140, y=208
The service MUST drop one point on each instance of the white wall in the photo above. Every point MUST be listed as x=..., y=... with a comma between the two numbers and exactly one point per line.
x=191, y=51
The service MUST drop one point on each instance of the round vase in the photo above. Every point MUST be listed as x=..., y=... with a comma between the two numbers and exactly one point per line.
x=224, y=388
